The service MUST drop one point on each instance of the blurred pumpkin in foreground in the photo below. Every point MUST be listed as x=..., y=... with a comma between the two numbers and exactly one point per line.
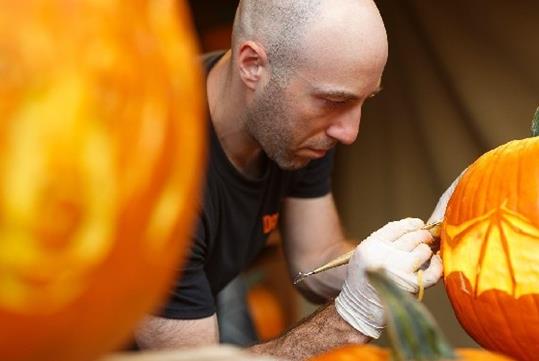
x=413, y=333
x=490, y=249
x=266, y=312
x=101, y=138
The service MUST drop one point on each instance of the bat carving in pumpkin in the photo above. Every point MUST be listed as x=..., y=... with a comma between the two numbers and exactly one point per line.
x=494, y=243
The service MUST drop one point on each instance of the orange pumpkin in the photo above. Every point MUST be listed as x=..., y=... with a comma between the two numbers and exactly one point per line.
x=490, y=249
x=101, y=138
x=266, y=312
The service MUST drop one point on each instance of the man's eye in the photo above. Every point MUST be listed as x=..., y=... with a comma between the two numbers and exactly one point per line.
x=334, y=102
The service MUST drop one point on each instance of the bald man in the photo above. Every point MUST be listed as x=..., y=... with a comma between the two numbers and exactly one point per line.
x=291, y=87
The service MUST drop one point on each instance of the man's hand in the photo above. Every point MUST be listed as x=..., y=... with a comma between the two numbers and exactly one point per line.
x=401, y=248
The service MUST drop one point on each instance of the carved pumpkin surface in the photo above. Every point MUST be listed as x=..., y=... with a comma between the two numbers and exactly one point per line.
x=101, y=137
x=490, y=249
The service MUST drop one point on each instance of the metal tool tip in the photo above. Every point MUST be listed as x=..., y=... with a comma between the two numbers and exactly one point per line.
x=301, y=276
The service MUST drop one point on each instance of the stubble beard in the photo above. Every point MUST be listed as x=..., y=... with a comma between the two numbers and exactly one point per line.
x=269, y=123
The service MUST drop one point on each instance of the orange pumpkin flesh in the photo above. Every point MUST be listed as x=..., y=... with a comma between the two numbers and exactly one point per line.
x=101, y=138
x=490, y=250
x=375, y=353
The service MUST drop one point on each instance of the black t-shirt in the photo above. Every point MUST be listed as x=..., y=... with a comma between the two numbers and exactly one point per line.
x=237, y=215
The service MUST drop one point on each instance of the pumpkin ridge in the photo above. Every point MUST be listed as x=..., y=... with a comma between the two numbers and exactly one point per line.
x=508, y=320
x=493, y=176
x=466, y=208
x=478, y=328
x=525, y=325
x=489, y=333
x=534, y=299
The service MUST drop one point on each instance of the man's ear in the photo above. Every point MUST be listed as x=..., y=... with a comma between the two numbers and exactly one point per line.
x=252, y=63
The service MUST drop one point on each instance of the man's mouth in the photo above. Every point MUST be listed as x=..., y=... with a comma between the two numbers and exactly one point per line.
x=317, y=153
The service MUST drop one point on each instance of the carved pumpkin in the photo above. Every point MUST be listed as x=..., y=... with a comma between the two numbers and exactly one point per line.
x=101, y=138
x=490, y=249
x=413, y=333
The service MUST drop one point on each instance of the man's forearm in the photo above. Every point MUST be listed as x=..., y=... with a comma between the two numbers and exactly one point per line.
x=322, y=331
x=162, y=333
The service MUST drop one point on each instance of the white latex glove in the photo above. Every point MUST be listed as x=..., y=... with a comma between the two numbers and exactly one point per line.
x=398, y=247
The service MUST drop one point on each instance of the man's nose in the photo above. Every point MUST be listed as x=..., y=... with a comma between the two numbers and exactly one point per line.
x=346, y=127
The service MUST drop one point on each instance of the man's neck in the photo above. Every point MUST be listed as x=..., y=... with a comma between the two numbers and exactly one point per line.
x=226, y=99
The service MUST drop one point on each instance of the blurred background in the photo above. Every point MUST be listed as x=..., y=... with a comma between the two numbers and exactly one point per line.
x=462, y=78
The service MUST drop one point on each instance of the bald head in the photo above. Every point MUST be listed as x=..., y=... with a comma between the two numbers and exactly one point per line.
x=278, y=25
x=292, y=30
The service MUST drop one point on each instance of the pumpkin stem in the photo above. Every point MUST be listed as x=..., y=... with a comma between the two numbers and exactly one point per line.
x=535, y=124
x=413, y=332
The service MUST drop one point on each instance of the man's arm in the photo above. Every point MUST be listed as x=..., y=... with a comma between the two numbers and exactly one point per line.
x=312, y=236
x=323, y=330
x=162, y=333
